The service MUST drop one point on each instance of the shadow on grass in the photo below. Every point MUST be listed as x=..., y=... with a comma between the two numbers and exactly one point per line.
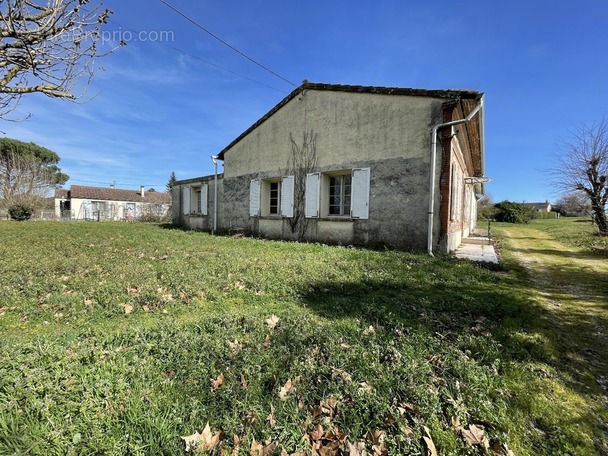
x=498, y=305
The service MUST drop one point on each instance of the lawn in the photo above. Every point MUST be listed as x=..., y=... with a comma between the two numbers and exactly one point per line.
x=125, y=338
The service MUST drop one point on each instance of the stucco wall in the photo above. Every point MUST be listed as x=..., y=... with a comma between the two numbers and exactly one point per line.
x=192, y=220
x=388, y=134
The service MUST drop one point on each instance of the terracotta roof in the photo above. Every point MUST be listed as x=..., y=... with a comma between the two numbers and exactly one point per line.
x=112, y=194
x=448, y=94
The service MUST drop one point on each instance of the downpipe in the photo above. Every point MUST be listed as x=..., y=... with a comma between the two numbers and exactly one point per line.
x=434, y=132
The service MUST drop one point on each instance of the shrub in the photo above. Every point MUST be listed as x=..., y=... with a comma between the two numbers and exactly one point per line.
x=511, y=212
x=545, y=215
x=20, y=212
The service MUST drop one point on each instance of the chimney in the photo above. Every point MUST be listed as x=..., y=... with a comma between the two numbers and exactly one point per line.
x=142, y=192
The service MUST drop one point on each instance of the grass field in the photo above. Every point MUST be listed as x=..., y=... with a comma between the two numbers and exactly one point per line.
x=123, y=338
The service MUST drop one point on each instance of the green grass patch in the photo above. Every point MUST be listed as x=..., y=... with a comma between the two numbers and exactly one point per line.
x=120, y=338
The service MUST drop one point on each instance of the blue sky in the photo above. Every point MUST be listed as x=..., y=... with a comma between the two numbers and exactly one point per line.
x=162, y=106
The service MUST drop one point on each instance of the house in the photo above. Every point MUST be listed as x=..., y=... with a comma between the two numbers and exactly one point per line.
x=103, y=203
x=353, y=165
x=539, y=207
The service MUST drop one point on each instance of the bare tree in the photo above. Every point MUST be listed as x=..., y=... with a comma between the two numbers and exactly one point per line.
x=582, y=165
x=48, y=47
x=303, y=160
x=574, y=203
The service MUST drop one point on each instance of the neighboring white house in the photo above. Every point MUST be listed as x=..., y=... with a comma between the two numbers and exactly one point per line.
x=103, y=203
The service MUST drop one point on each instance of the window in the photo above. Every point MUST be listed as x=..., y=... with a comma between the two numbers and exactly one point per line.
x=271, y=197
x=340, y=194
x=274, y=198
x=195, y=198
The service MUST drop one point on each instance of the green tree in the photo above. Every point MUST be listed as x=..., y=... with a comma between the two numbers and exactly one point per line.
x=27, y=172
x=510, y=212
x=172, y=180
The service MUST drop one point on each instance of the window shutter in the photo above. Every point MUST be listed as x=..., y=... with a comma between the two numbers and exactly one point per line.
x=360, y=192
x=311, y=206
x=287, y=196
x=204, y=196
x=186, y=200
x=254, y=198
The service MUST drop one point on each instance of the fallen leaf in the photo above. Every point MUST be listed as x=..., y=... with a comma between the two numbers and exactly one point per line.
x=365, y=387
x=285, y=390
x=243, y=382
x=145, y=308
x=191, y=441
x=215, y=384
x=357, y=450
x=474, y=436
x=272, y=321
x=235, y=346
x=428, y=442
x=345, y=345
x=128, y=308
x=266, y=342
x=342, y=374
x=209, y=439
x=369, y=330
x=270, y=417
x=456, y=424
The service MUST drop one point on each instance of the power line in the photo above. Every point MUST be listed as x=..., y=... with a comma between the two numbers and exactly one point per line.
x=224, y=69
x=188, y=18
x=206, y=62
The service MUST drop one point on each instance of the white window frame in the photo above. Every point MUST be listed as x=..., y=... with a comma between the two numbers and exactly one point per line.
x=318, y=194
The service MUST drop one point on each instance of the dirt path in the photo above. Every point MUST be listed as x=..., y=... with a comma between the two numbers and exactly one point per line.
x=571, y=285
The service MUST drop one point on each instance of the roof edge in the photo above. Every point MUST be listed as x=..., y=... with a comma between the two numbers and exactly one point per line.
x=450, y=94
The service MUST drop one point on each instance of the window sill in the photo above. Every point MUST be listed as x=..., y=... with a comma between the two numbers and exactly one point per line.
x=336, y=218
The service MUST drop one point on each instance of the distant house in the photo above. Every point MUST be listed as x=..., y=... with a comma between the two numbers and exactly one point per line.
x=539, y=207
x=103, y=203
x=352, y=165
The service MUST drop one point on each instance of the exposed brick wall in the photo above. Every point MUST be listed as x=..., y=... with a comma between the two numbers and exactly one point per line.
x=445, y=176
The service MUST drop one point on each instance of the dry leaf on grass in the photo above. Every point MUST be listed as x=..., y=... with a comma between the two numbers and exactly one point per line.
x=428, y=443
x=235, y=346
x=128, y=308
x=475, y=436
x=205, y=441
x=270, y=417
x=365, y=387
x=286, y=390
x=219, y=381
x=369, y=331
x=341, y=373
x=272, y=321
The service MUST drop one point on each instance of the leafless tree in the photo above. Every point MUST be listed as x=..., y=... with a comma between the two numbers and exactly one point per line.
x=582, y=165
x=303, y=160
x=48, y=47
x=574, y=203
